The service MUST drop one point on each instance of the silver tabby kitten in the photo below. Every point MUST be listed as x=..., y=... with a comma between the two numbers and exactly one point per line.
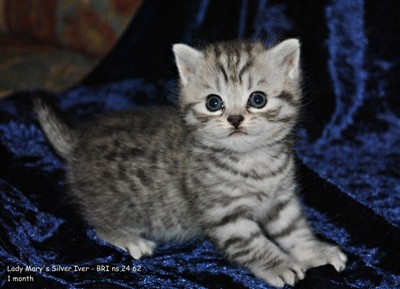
x=221, y=166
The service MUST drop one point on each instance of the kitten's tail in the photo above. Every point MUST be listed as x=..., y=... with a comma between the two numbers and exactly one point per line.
x=59, y=133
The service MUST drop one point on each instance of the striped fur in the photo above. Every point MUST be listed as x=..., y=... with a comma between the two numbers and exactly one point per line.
x=164, y=174
x=244, y=185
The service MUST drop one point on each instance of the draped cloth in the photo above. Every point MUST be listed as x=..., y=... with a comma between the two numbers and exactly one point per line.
x=348, y=147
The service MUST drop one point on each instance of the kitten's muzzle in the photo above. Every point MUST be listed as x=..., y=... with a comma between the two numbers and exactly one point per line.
x=237, y=132
x=235, y=120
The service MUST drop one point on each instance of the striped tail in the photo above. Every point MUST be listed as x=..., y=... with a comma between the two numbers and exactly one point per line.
x=59, y=133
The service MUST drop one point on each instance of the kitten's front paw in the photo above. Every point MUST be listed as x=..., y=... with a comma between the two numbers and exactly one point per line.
x=286, y=272
x=326, y=254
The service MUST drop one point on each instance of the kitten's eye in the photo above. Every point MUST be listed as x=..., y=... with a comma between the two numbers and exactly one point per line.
x=214, y=102
x=257, y=99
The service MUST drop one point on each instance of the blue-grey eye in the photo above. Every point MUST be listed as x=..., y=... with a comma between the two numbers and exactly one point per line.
x=214, y=102
x=257, y=99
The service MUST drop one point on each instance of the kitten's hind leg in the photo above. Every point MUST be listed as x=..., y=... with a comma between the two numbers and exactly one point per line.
x=138, y=247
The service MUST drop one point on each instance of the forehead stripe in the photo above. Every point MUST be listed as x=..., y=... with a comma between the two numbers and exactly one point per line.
x=244, y=69
x=221, y=67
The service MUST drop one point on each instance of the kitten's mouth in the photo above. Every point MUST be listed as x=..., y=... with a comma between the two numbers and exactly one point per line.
x=237, y=132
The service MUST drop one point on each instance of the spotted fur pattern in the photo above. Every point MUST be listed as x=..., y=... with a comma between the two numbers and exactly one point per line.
x=165, y=174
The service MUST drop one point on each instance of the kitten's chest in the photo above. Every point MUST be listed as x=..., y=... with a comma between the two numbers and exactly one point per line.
x=255, y=180
x=259, y=171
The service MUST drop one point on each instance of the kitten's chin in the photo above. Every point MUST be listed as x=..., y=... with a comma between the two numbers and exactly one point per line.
x=237, y=133
x=239, y=142
x=236, y=141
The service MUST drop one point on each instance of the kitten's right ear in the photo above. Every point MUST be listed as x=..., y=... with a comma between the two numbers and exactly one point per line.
x=187, y=59
x=287, y=54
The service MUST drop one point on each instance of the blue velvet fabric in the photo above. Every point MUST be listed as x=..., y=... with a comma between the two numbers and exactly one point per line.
x=348, y=147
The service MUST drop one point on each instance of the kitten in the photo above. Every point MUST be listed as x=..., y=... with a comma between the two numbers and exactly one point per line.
x=220, y=165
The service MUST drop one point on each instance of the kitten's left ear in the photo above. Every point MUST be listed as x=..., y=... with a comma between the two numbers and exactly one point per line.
x=287, y=54
x=187, y=60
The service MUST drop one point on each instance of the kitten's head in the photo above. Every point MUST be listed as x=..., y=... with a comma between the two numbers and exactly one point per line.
x=239, y=95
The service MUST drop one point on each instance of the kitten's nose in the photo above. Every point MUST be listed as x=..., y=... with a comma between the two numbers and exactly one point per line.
x=235, y=120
